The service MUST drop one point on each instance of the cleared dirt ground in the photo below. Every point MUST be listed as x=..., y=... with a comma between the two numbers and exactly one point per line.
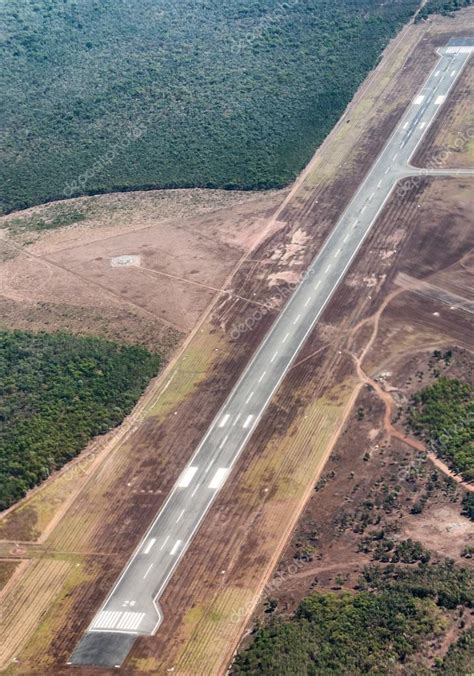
x=187, y=243
x=87, y=517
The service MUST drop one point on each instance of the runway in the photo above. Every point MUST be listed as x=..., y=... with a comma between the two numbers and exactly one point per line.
x=132, y=607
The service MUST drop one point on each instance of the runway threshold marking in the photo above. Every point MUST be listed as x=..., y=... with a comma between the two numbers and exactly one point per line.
x=149, y=545
x=219, y=478
x=176, y=546
x=130, y=621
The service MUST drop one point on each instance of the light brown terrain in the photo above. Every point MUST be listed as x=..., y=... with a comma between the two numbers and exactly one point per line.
x=74, y=534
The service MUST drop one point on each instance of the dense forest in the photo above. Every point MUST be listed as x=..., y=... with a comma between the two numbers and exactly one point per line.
x=444, y=7
x=443, y=415
x=385, y=623
x=57, y=391
x=104, y=95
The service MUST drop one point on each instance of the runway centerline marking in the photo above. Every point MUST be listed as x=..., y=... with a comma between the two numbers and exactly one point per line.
x=274, y=357
x=180, y=516
x=249, y=398
x=237, y=419
x=296, y=320
x=195, y=491
x=223, y=441
x=259, y=380
x=285, y=338
x=148, y=570
x=164, y=542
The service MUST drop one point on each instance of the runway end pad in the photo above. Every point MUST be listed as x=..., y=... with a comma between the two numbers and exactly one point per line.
x=102, y=649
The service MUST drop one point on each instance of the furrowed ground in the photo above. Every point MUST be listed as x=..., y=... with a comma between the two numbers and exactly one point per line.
x=210, y=599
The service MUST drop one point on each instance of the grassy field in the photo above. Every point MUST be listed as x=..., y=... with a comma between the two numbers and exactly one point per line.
x=111, y=95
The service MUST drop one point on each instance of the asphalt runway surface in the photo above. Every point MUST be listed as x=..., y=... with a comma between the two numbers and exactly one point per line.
x=132, y=607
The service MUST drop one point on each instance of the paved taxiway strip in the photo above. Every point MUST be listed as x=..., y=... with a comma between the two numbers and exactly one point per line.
x=131, y=606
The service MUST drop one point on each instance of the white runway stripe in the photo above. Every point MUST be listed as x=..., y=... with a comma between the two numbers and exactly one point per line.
x=130, y=621
x=440, y=99
x=186, y=477
x=247, y=421
x=419, y=99
x=176, y=546
x=149, y=545
x=224, y=420
x=219, y=478
x=107, y=619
